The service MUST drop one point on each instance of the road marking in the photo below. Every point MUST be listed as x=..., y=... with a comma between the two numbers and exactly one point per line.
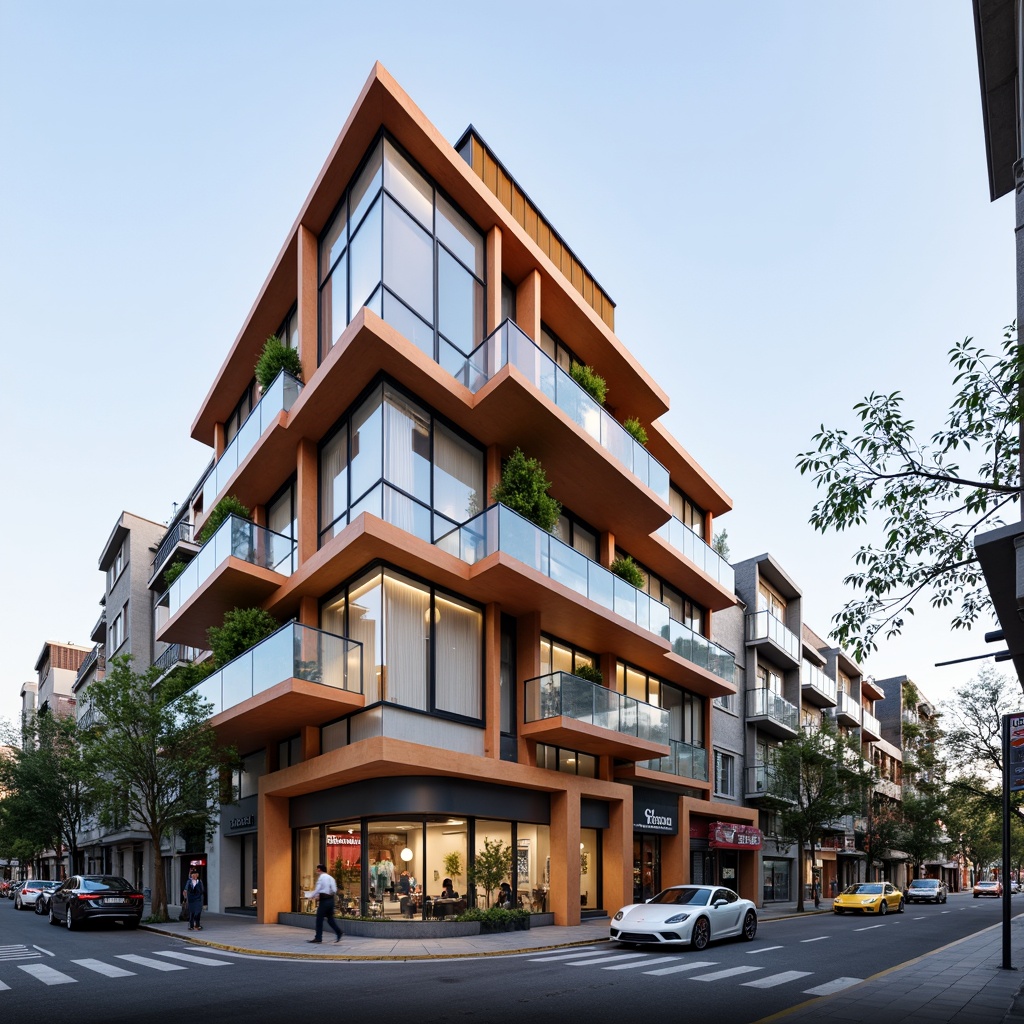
x=144, y=961
x=945, y=911
x=605, y=959
x=683, y=967
x=869, y=927
x=108, y=970
x=4, y=988
x=836, y=985
x=564, y=956
x=729, y=972
x=817, y=938
x=47, y=975
x=766, y=949
x=205, y=960
x=45, y=952
x=776, y=979
x=643, y=963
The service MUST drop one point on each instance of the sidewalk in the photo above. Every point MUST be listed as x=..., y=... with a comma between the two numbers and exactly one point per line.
x=962, y=983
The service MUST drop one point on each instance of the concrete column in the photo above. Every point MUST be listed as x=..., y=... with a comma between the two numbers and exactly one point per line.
x=564, y=895
x=527, y=667
x=618, y=855
x=309, y=737
x=493, y=282
x=274, y=851
x=307, y=301
x=306, y=499
x=528, y=305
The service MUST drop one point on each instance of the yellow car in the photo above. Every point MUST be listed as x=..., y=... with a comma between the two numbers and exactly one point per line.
x=869, y=898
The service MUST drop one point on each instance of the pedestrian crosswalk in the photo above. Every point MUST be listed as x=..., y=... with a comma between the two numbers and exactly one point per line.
x=659, y=966
x=121, y=965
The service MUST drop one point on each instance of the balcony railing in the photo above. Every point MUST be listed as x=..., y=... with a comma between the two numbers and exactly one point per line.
x=174, y=655
x=279, y=397
x=508, y=345
x=293, y=652
x=94, y=658
x=846, y=705
x=561, y=694
x=763, y=625
x=762, y=703
x=501, y=529
x=683, y=759
x=811, y=675
x=237, y=538
x=679, y=536
x=869, y=723
x=762, y=780
x=179, y=533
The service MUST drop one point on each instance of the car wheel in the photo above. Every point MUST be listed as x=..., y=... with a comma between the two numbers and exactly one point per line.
x=750, y=926
x=975, y=895
x=839, y=910
x=883, y=907
x=900, y=908
x=17, y=903
x=53, y=917
x=69, y=920
x=701, y=933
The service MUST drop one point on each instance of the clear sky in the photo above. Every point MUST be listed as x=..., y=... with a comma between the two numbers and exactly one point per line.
x=788, y=202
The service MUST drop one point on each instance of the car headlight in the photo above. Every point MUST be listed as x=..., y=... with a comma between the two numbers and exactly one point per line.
x=676, y=919
x=618, y=916
x=867, y=903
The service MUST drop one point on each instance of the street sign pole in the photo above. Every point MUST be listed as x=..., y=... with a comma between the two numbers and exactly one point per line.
x=1013, y=782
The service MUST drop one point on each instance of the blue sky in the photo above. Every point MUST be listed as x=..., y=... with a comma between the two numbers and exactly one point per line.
x=788, y=202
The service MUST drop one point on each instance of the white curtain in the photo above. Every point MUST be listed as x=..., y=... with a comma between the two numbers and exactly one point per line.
x=406, y=641
x=334, y=478
x=458, y=633
x=458, y=476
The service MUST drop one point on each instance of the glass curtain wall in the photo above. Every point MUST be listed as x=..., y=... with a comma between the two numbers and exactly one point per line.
x=398, y=246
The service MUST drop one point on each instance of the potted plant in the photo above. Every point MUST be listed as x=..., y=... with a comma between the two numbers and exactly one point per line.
x=275, y=357
x=625, y=568
x=589, y=672
x=524, y=489
x=229, y=505
x=453, y=866
x=592, y=382
x=491, y=866
x=636, y=430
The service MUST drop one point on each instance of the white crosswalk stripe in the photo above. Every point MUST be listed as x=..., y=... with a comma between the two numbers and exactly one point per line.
x=4, y=988
x=776, y=979
x=605, y=959
x=675, y=969
x=565, y=956
x=192, y=958
x=107, y=970
x=836, y=985
x=18, y=952
x=145, y=961
x=640, y=963
x=47, y=975
x=728, y=972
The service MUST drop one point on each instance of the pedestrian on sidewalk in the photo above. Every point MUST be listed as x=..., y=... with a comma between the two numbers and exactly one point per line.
x=192, y=896
x=324, y=891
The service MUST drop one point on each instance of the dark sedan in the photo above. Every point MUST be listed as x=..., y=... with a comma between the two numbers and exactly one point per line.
x=85, y=898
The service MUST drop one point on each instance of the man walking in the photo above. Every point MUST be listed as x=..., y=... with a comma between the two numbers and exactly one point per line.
x=324, y=890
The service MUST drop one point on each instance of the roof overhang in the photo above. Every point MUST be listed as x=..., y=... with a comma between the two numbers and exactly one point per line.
x=996, y=37
x=1001, y=554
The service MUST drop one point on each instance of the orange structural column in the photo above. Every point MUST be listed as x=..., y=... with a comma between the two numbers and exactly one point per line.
x=274, y=852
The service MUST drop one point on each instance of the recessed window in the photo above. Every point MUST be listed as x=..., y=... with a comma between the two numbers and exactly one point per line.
x=725, y=774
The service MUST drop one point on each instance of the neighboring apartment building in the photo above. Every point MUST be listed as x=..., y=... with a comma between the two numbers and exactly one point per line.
x=426, y=694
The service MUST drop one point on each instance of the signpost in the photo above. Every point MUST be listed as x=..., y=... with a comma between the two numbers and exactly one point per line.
x=1013, y=782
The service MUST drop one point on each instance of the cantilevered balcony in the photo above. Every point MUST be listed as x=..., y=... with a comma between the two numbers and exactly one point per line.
x=772, y=713
x=763, y=628
x=684, y=760
x=508, y=345
x=177, y=542
x=499, y=529
x=816, y=687
x=239, y=566
x=870, y=727
x=567, y=711
x=278, y=398
x=678, y=535
x=762, y=783
x=298, y=676
x=847, y=710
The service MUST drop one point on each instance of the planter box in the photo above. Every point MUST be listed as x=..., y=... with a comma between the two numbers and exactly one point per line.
x=389, y=929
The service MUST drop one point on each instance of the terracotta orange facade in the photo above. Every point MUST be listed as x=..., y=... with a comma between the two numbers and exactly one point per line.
x=451, y=679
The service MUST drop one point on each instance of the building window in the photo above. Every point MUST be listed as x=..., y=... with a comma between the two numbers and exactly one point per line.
x=770, y=600
x=556, y=656
x=391, y=458
x=727, y=702
x=288, y=332
x=570, y=762
x=117, y=633
x=239, y=414
x=688, y=513
x=685, y=710
x=769, y=680
x=680, y=607
x=246, y=779
x=579, y=537
x=118, y=564
x=396, y=245
x=725, y=774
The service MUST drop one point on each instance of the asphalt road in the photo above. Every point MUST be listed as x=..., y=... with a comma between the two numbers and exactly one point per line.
x=106, y=975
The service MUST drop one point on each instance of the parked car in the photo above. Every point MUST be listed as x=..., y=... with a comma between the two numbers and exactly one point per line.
x=988, y=889
x=83, y=898
x=869, y=898
x=926, y=890
x=1014, y=885
x=12, y=889
x=42, y=900
x=691, y=914
x=28, y=892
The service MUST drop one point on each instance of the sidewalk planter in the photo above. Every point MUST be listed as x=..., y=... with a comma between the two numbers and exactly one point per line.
x=389, y=929
x=496, y=920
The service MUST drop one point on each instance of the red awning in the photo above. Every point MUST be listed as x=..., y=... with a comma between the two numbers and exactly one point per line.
x=726, y=835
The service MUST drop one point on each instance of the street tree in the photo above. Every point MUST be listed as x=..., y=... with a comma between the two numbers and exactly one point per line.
x=161, y=768
x=933, y=494
x=814, y=781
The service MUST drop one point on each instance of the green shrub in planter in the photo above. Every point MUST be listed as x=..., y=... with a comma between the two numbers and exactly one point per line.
x=524, y=489
x=628, y=570
x=229, y=505
x=497, y=920
x=592, y=382
x=636, y=429
x=173, y=571
x=275, y=357
x=588, y=672
x=243, y=628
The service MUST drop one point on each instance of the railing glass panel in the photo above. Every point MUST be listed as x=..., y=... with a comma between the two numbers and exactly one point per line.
x=683, y=759
x=764, y=625
x=811, y=675
x=765, y=703
x=678, y=535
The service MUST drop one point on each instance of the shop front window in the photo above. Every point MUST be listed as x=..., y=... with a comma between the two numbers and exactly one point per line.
x=590, y=886
x=493, y=860
x=307, y=856
x=646, y=867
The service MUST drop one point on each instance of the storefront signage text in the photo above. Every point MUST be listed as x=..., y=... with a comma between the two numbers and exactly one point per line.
x=730, y=836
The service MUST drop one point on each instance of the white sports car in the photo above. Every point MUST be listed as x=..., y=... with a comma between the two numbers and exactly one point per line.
x=694, y=914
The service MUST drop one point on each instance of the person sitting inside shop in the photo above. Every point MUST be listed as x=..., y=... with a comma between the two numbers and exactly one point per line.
x=504, y=900
x=448, y=890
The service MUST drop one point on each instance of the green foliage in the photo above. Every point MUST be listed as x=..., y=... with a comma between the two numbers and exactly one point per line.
x=243, y=628
x=524, y=489
x=636, y=429
x=932, y=505
x=158, y=763
x=229, y=505
x=173, y=571
x=721, y=544
x=625, y=568
x=589, y=672
x=453, y=864
x=495, y=919
x=275, y=357
x=592, y=382
x=491, y=866
x=183, y=678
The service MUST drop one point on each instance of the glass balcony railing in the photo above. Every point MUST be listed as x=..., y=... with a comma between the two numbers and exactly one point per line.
x=234, y=537
x=683, y=759
x=279, y=397
x=870, y=723
x=294, y=651
x=811, y=675
x=762, y=780
x=679, y=536
x=501, y=529
x=508, y=345
x=762, y=703
x=846, y=705
x=764, y=625
x=561, y=694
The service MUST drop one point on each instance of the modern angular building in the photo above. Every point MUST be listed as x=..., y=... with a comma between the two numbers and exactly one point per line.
x=449, y=675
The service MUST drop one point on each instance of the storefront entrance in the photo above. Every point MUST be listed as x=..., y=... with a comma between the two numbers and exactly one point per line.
x=777, y=874
x=646, y=867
